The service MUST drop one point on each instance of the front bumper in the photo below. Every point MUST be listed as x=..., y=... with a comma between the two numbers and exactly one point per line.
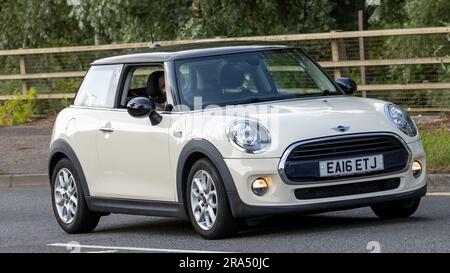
x=281, y=198
x=242, y=210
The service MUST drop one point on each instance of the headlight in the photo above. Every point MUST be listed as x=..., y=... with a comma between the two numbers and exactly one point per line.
x=401, y=120
x=248, y=136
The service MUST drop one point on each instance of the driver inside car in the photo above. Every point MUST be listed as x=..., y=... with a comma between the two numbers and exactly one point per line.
x=156, y=90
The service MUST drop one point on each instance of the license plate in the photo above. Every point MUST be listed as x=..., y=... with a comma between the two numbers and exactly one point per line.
x=350, y=166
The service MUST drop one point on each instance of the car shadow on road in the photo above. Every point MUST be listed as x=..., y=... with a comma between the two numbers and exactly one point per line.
x=284, y=224
x=152, y=225
x=314, y=224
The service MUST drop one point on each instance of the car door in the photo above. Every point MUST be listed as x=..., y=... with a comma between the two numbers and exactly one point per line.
x=134, y=155
x=95, y=96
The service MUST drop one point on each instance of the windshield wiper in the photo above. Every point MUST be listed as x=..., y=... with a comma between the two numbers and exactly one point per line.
x=259, y=99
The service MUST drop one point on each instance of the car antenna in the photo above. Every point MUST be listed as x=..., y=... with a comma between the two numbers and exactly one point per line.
x=154, y=43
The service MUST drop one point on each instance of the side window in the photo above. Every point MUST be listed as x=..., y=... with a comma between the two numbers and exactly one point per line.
x=136, y=82
x=99, y=86
x=140, y=76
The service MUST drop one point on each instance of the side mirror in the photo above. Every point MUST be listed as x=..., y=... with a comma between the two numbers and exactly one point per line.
x=348, y=85
x=142, y=106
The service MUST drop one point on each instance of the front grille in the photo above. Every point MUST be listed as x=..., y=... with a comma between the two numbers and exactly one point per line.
x=347, y=189
x=302, y=162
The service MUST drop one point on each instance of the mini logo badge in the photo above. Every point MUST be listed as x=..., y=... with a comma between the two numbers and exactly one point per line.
x=341, y=128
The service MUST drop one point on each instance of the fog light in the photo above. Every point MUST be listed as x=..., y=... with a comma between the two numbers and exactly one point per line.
x=260, y=186
x=416, y=169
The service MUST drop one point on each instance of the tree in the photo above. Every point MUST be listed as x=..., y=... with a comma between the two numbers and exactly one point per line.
x=390, y=14
x=427, y=13
x=210, y=18
x=345, y=13
x=37, y=23
x=416, y=14
x=130, y=20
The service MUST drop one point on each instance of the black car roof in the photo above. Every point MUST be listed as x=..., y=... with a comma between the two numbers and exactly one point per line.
x=162, y=54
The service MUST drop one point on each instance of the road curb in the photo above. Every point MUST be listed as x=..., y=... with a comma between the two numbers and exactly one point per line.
x=24, y=180
x=5, y=181
x=436, y=182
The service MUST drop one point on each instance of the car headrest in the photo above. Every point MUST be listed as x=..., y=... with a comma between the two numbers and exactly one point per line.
x=153, y=89
x=231, y=76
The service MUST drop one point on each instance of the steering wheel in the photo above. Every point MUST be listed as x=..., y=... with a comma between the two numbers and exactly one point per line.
x=247, y=91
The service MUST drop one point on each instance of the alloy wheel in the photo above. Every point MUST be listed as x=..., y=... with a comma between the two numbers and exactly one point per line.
x=66, y=196
x=204, y=203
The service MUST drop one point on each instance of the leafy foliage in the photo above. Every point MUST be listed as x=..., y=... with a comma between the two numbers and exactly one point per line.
x=130, y=20
x=50, y=108
x=210, y=18
x=427, y=13
x=19, y=109
x=415, y=14
x=390, y=14
x=437, y=146
x=72, y=22
x=38, y=23
x=45, y=23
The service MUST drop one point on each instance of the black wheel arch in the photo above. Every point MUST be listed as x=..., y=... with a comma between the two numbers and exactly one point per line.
x=193, y=151
x=61, y=149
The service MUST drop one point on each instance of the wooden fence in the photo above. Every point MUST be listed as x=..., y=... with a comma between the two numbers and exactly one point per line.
x=336, y=63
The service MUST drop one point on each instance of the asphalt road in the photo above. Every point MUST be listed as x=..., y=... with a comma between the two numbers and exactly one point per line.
x=27, y=225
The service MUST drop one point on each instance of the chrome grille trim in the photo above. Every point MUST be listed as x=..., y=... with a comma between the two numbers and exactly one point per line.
x=281, y=165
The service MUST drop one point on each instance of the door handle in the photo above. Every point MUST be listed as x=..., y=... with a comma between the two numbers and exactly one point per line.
x=106, y=129
x=177, y=134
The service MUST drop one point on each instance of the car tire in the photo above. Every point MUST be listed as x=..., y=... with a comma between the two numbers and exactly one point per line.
x=396, y=209
x=68, y=202
x=224, y=224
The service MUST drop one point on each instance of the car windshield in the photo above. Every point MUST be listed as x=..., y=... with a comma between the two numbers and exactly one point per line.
x=242, y=78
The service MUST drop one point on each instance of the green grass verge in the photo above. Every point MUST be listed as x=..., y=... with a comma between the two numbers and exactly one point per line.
x=437, y=147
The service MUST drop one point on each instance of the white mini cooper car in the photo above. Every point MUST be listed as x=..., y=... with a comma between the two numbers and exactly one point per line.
x=222, y=134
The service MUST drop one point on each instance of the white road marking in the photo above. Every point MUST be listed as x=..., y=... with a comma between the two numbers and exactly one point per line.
x=116, y=248
x=102, y=251
x=439, y=193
